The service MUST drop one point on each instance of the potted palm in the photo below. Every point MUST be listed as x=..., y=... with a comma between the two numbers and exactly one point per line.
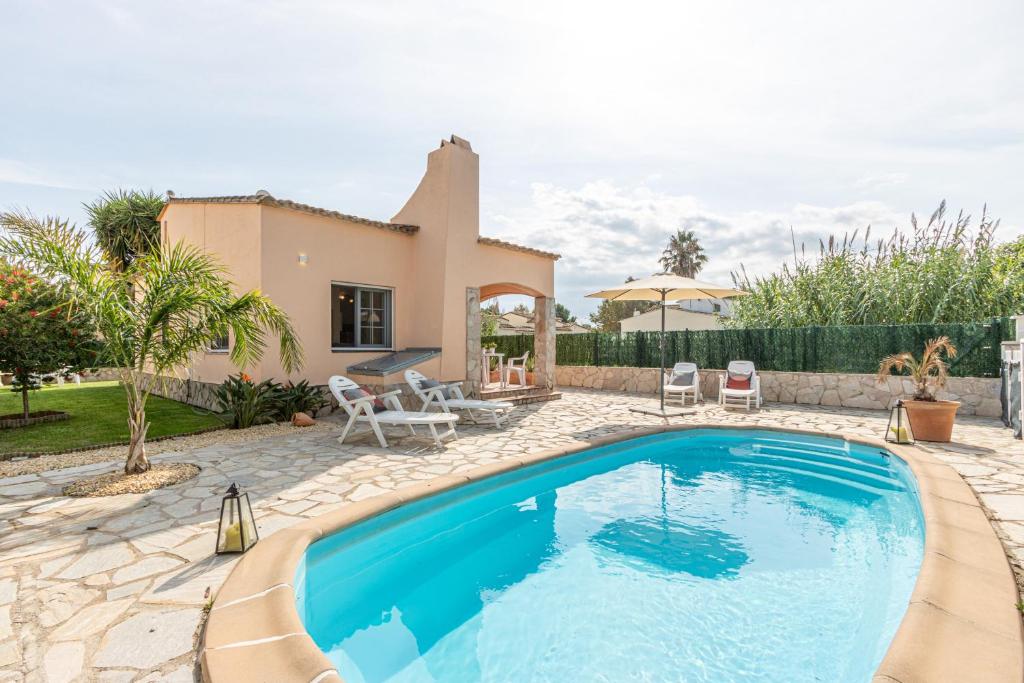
x=930, y=418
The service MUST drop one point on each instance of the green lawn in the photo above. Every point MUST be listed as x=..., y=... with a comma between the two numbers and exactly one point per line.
x=98, y=416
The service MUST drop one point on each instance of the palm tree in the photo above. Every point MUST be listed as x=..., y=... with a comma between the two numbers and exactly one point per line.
x=928, y=374
x=683, y=256
x=165, y=305
x=125, y=224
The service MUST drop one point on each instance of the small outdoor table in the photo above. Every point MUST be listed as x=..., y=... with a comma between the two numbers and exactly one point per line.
x=488, y=355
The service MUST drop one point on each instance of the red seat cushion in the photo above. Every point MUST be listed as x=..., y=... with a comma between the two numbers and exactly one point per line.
x=737, y=383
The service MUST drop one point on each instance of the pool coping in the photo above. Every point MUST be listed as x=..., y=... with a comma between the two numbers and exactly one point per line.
x=962, y=622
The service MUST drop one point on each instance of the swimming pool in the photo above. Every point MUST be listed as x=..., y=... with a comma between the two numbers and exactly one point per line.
x=700, y=555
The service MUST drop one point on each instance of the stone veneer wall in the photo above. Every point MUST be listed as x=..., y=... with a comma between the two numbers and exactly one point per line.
x=200, y=394
x=192, y=392
x=977, y=395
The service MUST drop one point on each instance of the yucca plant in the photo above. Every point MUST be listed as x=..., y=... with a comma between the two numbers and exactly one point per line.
x=125, y=224
x=300, y=398
x=929, y=373
x=243, y=403
x=153, y=315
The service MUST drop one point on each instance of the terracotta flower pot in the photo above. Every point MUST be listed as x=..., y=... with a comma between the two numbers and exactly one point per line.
x=932, y=420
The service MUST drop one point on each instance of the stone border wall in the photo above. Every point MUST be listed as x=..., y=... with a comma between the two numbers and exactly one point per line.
x=977, y=395
x=191, y=392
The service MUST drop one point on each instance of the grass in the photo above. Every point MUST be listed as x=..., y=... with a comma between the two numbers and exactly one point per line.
x=98, y=413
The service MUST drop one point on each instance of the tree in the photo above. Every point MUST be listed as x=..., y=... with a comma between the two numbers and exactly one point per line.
x=683, y=256
x=125, y=225
x=488, y=323
x=934, y=273
x=38, y=333
x=523, y=310
x=163, y=307
x=563, y=313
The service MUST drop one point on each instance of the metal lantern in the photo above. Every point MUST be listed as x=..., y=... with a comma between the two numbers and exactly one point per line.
x=237, y=530
x=899, y=430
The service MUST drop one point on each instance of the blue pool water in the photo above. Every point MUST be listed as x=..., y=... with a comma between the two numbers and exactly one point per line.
x=708, y=555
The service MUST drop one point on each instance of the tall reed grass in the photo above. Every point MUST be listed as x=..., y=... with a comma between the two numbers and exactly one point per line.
x=939, y=272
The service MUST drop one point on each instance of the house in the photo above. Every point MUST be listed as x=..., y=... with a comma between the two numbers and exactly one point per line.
x=512, y=323
x=676, y=319
x=369, y=298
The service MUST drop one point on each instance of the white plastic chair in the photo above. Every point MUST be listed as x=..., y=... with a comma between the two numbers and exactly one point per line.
x=682, y=390
x=725, y=394
x=361, y=410
x=518, y=366
x=498, y=410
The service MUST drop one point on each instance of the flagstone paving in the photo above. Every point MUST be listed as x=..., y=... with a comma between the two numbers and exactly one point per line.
x=114, y=589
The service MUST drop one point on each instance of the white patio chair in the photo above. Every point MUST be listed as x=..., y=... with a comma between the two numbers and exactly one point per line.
x=455, y=400
x=684, y=379
x=516, y=365
x=740, y=369
x=361, y=410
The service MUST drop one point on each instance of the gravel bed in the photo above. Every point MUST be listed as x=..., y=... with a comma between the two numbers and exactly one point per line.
x=117, y=483
x=43, y=463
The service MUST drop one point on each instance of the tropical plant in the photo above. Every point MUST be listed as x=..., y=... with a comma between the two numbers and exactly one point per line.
x=38, y=333
x=939, y=272
x=165, y=306
x=242, y=403
x=683, y=256
x=929, y=373
x=125, y=224
x=563, y=313
x=300, y=398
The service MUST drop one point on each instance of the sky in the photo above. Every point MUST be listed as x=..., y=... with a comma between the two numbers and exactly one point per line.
x=601, y=127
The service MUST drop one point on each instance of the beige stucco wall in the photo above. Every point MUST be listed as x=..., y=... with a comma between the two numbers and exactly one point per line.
x=676, y=320
x=449, y=257
x=429, y=271
x=231, y=232
x=336, y=251
x=978, y=395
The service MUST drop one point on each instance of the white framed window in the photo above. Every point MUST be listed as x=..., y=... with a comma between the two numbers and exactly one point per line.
x=220, y=345
x=361, y=317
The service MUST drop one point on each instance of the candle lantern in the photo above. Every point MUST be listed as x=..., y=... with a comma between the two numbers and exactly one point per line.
x=237, y=530
x=899, y=430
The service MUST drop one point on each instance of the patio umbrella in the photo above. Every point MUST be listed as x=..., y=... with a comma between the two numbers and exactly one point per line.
x=665, y=287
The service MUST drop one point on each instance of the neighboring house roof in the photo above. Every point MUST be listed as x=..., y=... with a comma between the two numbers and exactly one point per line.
x=654, y=312
x=510, y=323
x=494, y=242
x=265, y=198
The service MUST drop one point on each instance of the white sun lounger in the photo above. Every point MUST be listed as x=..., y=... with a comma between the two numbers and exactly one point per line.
x=726, y=395
x=361, y=410
x=498, y=410
x=682, y=390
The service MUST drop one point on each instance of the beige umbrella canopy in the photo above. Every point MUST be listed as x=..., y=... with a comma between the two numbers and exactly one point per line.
x=664, y=288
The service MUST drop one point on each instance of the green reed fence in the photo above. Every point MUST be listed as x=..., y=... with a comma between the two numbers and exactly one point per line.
x=850, y=348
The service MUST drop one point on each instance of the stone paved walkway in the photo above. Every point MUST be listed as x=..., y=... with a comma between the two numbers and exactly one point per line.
x=113, y=589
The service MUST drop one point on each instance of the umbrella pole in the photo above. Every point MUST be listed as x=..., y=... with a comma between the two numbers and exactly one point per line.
x=661, y=378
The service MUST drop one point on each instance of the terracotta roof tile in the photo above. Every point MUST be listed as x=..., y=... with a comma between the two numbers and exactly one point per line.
x=265, y=198
x=493, y=242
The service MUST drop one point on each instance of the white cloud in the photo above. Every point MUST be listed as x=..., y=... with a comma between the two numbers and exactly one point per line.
x=606, y=232
x=872, y=182
x=20, y=173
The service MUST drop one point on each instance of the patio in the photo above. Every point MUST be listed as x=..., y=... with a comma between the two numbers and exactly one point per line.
x=116, y=587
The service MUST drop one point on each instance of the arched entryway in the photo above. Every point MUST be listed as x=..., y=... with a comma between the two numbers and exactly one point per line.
x=543, y=335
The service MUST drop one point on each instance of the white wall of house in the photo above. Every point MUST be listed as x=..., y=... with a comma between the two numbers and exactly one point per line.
x=720, y=306
x=676, y=320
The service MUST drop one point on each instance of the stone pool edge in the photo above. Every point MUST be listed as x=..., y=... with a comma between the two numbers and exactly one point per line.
x=962, y=622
